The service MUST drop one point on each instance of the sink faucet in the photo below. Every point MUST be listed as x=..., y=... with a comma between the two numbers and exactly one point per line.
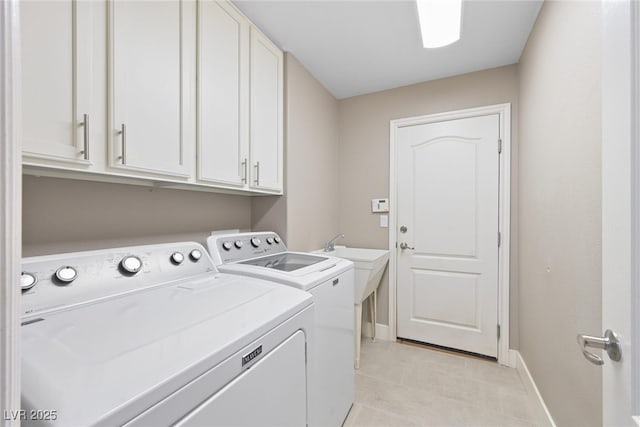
x=330, y=244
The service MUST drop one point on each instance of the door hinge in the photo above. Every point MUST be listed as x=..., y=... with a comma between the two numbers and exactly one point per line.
x=499, y=146
x=498, y=331
x=499, y=238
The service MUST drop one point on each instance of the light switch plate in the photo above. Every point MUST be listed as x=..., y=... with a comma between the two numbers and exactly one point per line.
x=384, y=221
x=379, y=205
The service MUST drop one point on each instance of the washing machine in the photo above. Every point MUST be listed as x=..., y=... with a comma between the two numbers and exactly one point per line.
x=330, y=281
x=155, y=335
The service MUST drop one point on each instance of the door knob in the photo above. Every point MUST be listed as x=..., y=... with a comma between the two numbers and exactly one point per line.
x=609, y=343
x=404, y=246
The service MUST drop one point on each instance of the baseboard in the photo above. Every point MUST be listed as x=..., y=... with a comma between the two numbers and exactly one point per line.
x=542, y=414
x=382, y=331
x=512, y=359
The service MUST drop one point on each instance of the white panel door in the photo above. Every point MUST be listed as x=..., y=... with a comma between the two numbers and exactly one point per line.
x=55, y=42
x=620, y=213
x=266, y=113
x=447, y=190
x=223, y=94
x=151, y=79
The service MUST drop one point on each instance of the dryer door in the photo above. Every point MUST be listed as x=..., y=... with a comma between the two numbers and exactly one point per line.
x=273, y=392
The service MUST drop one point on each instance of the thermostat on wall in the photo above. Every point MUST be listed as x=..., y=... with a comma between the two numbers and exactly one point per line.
x=379, y=205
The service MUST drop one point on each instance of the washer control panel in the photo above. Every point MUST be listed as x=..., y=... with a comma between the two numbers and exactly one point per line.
x=55, y=281
x=226, y=248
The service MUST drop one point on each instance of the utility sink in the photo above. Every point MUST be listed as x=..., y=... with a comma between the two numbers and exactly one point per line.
x=369, y=266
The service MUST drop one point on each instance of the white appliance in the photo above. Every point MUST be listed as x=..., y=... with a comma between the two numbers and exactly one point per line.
x=155, y=335
x=330, y=281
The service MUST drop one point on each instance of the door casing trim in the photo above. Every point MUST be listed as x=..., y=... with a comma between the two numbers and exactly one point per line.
x=504, y=213
x=10, y=213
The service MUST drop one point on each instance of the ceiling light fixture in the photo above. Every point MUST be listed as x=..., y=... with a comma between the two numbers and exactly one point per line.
x=439, y=21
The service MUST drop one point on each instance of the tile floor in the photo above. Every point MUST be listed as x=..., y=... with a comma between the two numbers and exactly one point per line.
x=401, y=384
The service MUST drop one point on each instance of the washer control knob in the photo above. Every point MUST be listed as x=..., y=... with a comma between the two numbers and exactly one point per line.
x=27, y=281
x=227, y=246
x=177, y=258
x=66, y=274
x=131, y=264
x=195, y=255
x=238, y=244
x=277, y=239
x=270, y=240
x=255, y=242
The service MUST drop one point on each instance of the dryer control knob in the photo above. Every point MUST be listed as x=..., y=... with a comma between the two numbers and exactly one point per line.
x=238, y=244
x=131, y=264
x=255, y=242
x=277, y=239
x=177, y=258
x=227, y=246
x=195, y=255
x=27, y=281
x=66, y=274
x=270, y=240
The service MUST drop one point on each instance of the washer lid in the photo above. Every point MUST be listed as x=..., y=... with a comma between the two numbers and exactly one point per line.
x=286, y=261
x=294, y=272
x=107, y=362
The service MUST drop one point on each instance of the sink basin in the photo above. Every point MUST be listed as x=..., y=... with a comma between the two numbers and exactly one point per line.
x=369, y=266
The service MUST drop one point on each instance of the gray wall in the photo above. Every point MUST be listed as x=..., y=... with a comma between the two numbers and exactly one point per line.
x=560, y=207
x=308, y=214
x=364, y=155
x=60, y=215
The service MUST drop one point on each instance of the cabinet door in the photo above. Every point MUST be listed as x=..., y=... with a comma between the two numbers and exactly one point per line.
x=266, y=113
x=151, y=83
x=223, y=79
x=55, y=75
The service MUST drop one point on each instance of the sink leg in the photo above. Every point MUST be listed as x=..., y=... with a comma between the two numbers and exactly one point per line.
x=374, y=314
x=358, y=333
x=370, y=303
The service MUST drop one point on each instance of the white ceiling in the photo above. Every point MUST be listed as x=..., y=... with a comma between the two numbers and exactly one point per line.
x=355, y=47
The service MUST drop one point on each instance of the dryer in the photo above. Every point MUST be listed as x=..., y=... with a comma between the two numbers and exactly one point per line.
x=330, y=281
x=155, y=335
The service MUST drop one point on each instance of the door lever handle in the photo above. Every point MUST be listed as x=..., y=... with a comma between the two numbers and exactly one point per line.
x=404, y=246
x=609, y=343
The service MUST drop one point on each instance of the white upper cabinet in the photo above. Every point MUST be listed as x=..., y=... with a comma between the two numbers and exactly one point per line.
x=152, y=83
x=266, y=110
x=240, y=78
x=56, y=67
x=223, y=91
x=182, y=93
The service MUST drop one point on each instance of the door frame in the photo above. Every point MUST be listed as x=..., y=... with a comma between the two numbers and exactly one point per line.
x=621, y=208
x=635, y=209
x=505, y=357
x=10, y=213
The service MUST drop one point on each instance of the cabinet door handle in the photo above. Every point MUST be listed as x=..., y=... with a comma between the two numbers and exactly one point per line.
x=257, y=180
x=85, y=133
x=244, y=171
x=123, y=138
